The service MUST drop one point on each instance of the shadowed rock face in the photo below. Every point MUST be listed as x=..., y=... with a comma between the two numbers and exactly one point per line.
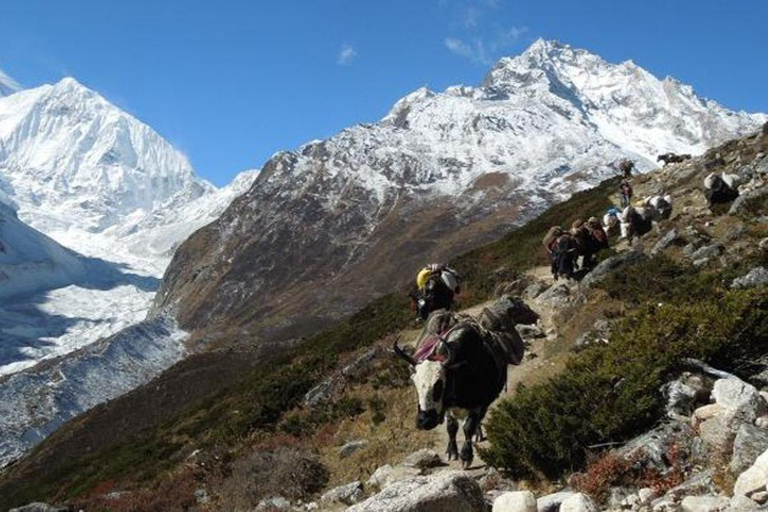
x=300, y=250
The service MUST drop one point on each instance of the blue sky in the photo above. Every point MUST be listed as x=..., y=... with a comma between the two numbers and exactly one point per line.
x=232, y=81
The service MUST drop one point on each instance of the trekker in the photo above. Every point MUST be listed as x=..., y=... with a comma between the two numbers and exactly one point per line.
x=626, y=166
x=598, y=240
x=550, y=243
x=437, y=285
x=626, y=193
x=566, y=252
x=611, y=221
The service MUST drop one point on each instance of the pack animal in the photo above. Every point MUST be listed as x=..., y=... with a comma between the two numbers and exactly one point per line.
x=720, y=189
x=672, y=158
x=660, y=206
x=635, y=222
x=466, y=370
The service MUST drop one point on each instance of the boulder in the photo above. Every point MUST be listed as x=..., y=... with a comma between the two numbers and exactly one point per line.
x=351, y=447
x=705, y=503
x=273, y=505
x=741, y=503
x=423, y=459
x=387, y=475
x=706, y=412
x=578, y=503
x=706, y=253
x=742, y=400
x=750, y=442
x=739, y=204
x=448, y=491
x=665, y=241
x=534, y=289
x=698, y=485
x=611, y=264
x=756, y=278
x=518, y=501
x=753, y=479
x=557, y=295
x=680, y=398
x=646, y=495
x=348, y=494
x=717, y=434
x=552, y=502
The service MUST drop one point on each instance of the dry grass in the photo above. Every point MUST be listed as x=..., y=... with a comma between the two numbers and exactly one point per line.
x=389, y=441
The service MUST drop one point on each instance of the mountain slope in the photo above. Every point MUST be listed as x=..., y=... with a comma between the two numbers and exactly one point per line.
x=30, y=261
x=335, y=223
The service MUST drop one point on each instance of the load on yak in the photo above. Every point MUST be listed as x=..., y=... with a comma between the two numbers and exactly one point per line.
x=460, y=367
x=721, y=189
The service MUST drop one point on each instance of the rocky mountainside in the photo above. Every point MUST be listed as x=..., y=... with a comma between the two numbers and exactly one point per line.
x=329, y=226
x=656, y=359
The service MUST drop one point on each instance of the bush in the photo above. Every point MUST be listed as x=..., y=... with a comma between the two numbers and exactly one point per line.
x=287, y=472
x=611, y=392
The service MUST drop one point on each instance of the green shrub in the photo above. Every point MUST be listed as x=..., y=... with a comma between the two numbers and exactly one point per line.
x=611, y=392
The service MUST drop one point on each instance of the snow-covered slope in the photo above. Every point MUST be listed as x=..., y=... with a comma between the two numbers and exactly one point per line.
x=30, y=261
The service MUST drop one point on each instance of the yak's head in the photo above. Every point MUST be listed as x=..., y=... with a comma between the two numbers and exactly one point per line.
x=430, y=378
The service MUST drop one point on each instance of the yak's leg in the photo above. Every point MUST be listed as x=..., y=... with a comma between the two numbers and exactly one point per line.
x=479, y=435
x=453, y=427
x=471, y=425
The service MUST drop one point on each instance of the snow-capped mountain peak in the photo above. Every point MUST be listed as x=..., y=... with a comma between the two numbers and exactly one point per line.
x=74, y=160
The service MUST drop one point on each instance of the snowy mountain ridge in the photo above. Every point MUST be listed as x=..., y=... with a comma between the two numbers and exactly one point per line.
x=450, y=169
x=72, y=159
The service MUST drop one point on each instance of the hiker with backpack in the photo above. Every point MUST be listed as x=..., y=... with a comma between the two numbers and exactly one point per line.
x=626, y=166
x=437, y=284
x=611, y=221
x=625, y=189
x=549, y=242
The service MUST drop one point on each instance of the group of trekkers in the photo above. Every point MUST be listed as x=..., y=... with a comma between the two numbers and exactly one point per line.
x=437, y=284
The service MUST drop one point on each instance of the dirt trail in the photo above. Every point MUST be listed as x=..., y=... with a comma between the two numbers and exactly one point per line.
x=544, y=357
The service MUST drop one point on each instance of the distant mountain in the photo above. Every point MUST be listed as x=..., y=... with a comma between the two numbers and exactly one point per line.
x=71, y=159
x=329, y=226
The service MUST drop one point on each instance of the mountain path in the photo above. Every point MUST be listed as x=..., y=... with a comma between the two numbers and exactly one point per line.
x=544, y=356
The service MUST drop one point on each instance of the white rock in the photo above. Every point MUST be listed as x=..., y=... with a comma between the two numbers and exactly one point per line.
x=452, y=491
x=423, y=459
x=706, y=412
x=762, y=422
x=552, y=502
x=741, y=503
x=646, y=495
x=741, y=399
x=347, y=494
x=753, y=479
x=387, y=475
x=759, y=497
x=578, y=503
x=518, y=501
x=705, y=503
